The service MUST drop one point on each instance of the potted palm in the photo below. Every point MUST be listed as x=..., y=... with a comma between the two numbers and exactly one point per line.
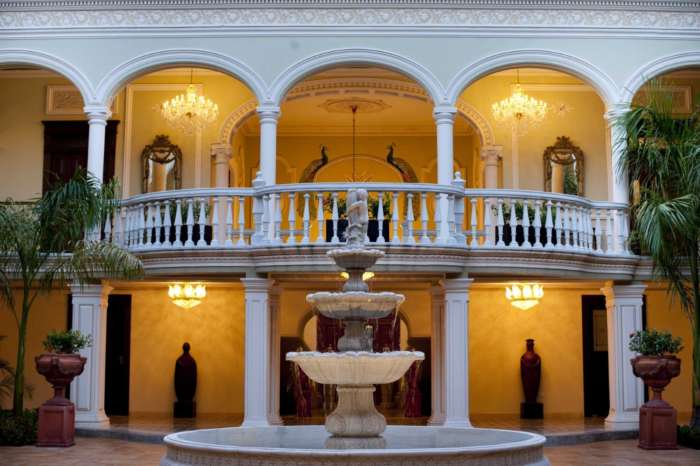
x=59, y=365
x=656, y=364
x=43, y=244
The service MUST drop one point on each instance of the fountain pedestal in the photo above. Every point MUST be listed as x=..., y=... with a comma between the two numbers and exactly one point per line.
x=355, y=415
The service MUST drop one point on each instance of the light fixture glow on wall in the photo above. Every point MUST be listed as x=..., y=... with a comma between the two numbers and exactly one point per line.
x=189, y=111
x=365, y=276
x=520, y=110
x=524, y=295
x=187, y=295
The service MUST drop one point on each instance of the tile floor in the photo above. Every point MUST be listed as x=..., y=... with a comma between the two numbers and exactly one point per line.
x=107, y=452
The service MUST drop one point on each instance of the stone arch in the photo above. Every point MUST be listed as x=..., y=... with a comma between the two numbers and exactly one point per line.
x=53, y=63
x=656, y=68
x=235, y=119
x=339, y=57
x=161, y=59
x=607, y=88
x=478, y=121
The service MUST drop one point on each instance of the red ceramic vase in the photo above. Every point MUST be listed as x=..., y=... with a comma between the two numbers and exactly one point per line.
x=57, y=415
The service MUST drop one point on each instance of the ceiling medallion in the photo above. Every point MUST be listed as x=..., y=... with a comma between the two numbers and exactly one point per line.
x=361, y=105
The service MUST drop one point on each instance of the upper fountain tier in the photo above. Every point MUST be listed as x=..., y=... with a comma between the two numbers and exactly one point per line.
x=353, y=305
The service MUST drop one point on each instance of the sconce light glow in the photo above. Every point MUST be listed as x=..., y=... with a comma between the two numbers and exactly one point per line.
x=365, y=276
x=187, y=295
x=524, y=295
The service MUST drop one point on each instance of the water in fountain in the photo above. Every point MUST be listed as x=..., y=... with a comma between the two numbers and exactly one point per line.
x=355, y=369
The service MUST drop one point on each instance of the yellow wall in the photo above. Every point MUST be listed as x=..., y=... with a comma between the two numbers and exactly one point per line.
x=48, y=313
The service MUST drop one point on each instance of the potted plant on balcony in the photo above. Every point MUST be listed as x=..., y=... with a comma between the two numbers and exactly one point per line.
x=59, y=365
x=43, y=245
x=661, y=155
x=656, y=364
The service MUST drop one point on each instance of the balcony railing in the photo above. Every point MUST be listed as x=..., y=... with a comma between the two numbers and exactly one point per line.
x=402, y=214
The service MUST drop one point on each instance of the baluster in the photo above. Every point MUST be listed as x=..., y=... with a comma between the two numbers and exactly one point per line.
x=228, y=242
x=215, y=240
x=277, y=212
x=526, y=224
x=558, y=226
x=436, y=217
x=500, y=223
x=257, y=206
x=487, y=223
x=149, y=225
x=291, y=219
x=334, y=218
x=108, y=228
x=190, y=223
x=513, y=224
x=202, y=221
x=307, y=223
x=587, y=229
x=609, y=249
x=380, y=218
x=395, y=217
x=598, y=232
x=424, y=239
x=167, y=224
x=320, y=238
x=620, y=230
x=178, y=223
x=537, y=224
x=549, y=224
x=241, y=221
x=565, y=227
x=265, y=219
x=452, y=227
x=127, y=228
x=475, y=241
x=408, y=232
x=157, y=224
x=576, y=226
x=458, y=207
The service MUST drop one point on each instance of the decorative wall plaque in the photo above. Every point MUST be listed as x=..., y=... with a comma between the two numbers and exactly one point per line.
x=65, y=99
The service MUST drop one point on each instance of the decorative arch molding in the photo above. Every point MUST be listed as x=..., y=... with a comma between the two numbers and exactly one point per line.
x=605, y=86
x=54, y=63
x=339, y=57
x=235, y=119
x=161, y=59
x=656, y=68
x=478, y=121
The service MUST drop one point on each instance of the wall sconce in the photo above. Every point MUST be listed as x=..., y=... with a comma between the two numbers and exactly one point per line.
x=524, y=295
x=187, y=295
x=365, y=276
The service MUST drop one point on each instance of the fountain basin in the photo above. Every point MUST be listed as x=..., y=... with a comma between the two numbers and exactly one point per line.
x=312, y=445
x=355, y=258
x=355, y=304
x=355, y=367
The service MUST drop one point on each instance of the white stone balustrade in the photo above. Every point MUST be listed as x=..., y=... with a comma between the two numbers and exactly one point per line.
x=290, y=215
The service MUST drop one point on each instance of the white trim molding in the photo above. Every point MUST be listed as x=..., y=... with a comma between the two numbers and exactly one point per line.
x=560, y=61
x=656, y=68
x=169, y=58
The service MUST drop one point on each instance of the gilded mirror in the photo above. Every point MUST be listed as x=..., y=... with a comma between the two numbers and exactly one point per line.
x=563, y=168
x=162, y=165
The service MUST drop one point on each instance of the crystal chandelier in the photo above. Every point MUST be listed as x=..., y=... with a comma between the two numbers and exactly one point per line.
x=524, y=296
x=187, y=295
x=190, y=111
x=520, y=110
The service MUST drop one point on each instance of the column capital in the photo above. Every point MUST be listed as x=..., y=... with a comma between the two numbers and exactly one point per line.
x=491, y=155
x=456, y=284
x=255, y=284
x=221, y=153
x=90, y=290
x=630, y=291
x=444, y=114
x=97, y=113
x=616, y=111
x=268, y=113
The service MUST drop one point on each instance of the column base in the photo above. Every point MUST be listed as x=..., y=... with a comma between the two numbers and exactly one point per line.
x=629, y=420
x=91, y=420
x=275, y=420
x=436, y=420
x=457, y=423
x=255, y=422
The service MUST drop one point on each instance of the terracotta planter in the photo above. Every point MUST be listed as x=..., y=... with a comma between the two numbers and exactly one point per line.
x=657, y=418
x=57, y=415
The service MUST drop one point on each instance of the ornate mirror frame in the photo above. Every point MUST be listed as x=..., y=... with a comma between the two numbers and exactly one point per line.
x=161, y=150
x=564, y=152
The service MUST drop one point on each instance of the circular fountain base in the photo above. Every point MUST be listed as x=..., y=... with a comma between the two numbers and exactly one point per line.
x=312, y=445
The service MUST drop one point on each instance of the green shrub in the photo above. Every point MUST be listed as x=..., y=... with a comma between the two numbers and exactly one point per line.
x=66, y=342
x=689, y=437
x=18, y=430
x=654, y=343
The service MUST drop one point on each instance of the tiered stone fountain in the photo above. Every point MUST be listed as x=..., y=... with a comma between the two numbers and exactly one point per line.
x=355, y=433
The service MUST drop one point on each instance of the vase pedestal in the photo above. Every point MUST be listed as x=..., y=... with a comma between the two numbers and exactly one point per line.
x=185, y=409
x=531, y=411
x=657, y=426
x=56, y=425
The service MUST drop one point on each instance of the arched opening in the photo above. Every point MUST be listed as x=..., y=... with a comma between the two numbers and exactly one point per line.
x=680, y=87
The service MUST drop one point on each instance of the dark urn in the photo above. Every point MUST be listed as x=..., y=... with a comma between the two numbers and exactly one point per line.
x=530, y=374
x=657, y=418
x=57, y=415
x=185, y=384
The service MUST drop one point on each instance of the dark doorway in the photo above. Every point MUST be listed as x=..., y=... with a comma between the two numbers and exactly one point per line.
x=117, y=355
x=66, y=148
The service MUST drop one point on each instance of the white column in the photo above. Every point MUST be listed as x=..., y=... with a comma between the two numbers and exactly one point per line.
x=274, y=403
x=456, y=362
x=221, y=154
x=437, y=351
x=88, y=389
x=616, y=142
x=257, y=352
x=444, y=120
x=97, y=121
x=624, y=312
x=491, y=156
x=268, y=116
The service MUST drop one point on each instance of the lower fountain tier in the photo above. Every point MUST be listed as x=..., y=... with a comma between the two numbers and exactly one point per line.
x=311, y=446
x=358, y=368
x=355, y=304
